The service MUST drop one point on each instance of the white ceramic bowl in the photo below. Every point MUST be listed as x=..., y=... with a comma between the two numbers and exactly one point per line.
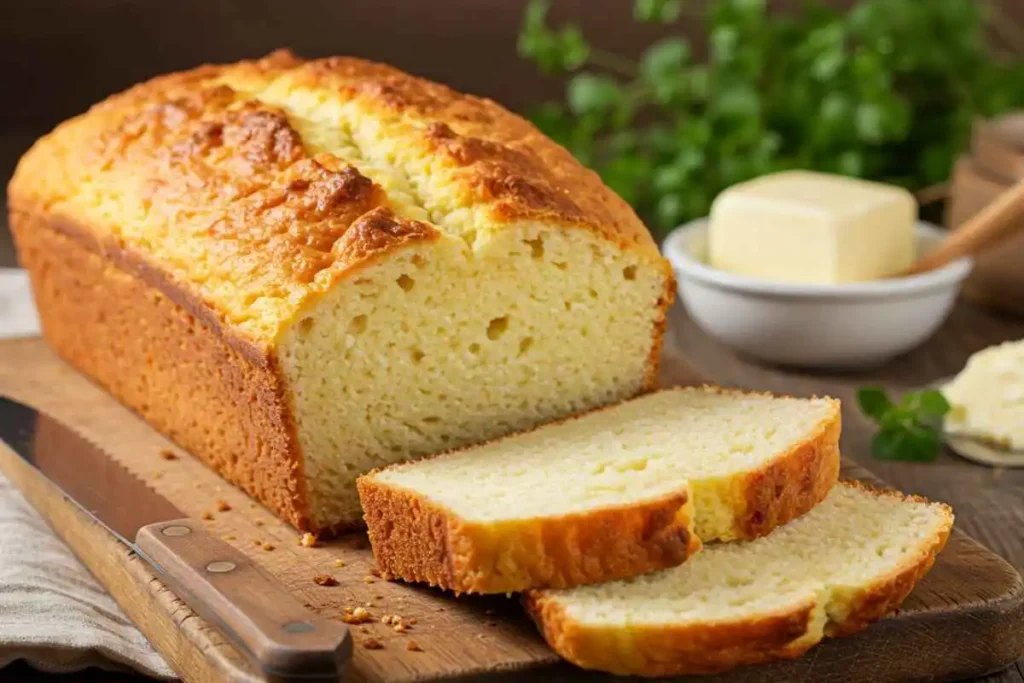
x=838, y=326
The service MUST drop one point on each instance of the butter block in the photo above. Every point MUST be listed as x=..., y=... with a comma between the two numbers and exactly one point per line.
x=799, y=226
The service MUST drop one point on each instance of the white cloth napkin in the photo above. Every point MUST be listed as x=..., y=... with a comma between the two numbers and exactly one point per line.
x=53, y=613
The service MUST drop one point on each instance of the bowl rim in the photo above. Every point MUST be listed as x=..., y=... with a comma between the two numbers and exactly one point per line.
x=674, y=247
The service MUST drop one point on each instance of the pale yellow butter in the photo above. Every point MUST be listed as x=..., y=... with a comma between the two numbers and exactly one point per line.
x=988, y=396
x=800, y=226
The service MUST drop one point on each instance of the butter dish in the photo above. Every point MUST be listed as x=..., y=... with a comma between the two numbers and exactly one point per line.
x=843, y=325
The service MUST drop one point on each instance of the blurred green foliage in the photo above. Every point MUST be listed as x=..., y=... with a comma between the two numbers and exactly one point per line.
x=885, y=91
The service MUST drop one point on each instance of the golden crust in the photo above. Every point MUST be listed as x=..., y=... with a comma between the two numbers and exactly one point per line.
x=416, y=539
x=706, y=648
x=793, y=483
x=219, y=189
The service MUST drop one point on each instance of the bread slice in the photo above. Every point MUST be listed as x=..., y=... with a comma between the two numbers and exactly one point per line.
x=609, y=494
x=844, y=564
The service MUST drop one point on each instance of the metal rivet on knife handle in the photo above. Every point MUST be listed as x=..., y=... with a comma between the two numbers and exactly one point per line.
x=220, y=567
x=176, y=530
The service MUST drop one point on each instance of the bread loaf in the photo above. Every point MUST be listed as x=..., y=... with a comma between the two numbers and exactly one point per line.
x=848, y=562
x=610, y=494
x=303, y=270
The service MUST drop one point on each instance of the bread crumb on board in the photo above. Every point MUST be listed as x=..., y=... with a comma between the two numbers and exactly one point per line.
x=207, y=515
x=168, y=455
x=308, y=540
x=268, y=546
x=413, y=646
x=223, y=506
x=373, y=644
x=325, y=580
x=339, y=563
x=359, y=615
x=257, y=522
x=367, y=579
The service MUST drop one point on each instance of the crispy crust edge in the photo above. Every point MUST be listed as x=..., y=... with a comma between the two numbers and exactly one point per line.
x=416, y=539
x=673, y=650
x=792, y=483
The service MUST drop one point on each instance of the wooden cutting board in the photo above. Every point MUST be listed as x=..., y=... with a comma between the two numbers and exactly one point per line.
x=963, y=620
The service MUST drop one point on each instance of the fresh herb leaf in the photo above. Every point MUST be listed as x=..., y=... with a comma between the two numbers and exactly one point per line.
x=933, y=404
x=873, y=402
x=662, y=11
x=907, y=429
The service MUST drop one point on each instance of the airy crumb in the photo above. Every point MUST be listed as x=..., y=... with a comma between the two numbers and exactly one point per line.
x=207, y=515
x=230, y=538
x=308, y=540
x=168, y=455
x=257, y=522
x=367, y=579
x=348, y=610
x=339, y=563
x=411, y=621
x=222, y=506
x=399, y=628
x=268, y=546
x=373, y=644
x=325, y=580
x=413, y=646
x=257, y=541
x=358, y=616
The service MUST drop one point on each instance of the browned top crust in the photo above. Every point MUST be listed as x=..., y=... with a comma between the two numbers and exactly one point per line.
x=257, y=185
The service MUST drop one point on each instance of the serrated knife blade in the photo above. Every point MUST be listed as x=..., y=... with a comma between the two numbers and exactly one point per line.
x=284, y=639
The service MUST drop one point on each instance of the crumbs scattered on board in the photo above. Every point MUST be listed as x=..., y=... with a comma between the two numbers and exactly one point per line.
x=325, y=580
x=223, y=506
x=168, y=455
x=308, y=540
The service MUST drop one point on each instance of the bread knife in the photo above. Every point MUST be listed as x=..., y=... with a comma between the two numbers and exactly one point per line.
x=251, y=608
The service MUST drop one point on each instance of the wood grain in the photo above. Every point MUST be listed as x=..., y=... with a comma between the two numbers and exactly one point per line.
x=961, y=620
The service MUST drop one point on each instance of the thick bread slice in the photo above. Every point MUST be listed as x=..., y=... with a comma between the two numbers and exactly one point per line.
x=610, y=494
x=844, y=564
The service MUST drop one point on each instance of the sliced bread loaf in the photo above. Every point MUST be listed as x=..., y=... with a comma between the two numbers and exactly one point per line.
x=610, y=494
x=847, y=562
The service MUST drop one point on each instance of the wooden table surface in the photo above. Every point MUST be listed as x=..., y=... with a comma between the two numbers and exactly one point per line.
x=989, y=503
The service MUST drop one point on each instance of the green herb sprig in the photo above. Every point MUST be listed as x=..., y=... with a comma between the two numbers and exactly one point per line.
x=886, y=90
x=908, y=430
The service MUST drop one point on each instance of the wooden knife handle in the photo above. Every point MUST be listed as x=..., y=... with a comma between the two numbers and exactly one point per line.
x=253, y=609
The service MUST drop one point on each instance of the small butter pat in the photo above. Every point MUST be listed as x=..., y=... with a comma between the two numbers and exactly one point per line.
x=799, y=226
x=988, y=396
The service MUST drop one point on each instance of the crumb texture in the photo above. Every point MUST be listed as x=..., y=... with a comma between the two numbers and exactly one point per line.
x=845, y=563
x=415, y=268
x=639, y=450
